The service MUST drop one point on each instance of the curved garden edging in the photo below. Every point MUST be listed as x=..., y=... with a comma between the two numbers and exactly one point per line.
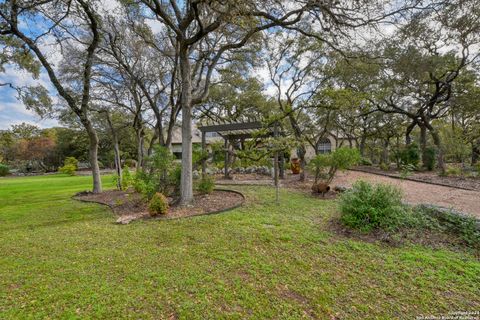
x=238, y=205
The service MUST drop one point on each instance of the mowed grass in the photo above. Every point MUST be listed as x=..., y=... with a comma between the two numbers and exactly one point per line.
x=63, y=259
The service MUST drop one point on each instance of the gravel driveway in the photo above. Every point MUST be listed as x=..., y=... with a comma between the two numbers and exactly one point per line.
x=418, y=192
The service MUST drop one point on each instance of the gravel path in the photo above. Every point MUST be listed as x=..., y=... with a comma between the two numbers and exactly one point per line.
x=416, y=192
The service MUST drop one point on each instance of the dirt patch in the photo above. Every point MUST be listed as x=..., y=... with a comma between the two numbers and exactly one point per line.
x=130, y=205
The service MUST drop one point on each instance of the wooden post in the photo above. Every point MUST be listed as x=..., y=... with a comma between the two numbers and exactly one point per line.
x=282, y=165
x=227, y=156
x=204, y=159
x=275, y=164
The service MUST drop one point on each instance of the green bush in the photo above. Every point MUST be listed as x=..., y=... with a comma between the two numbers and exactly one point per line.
x=384, y=167
x=406, y=170
x=158, y=204
x=70, y=166
x=71, y=161
x=430, y=158
x=410, y=155
x=366, y=162
x=206, y=185
x=367, y=206
x=69, y=169
x=453, y=171
x=325, y=166
x=4, y=170
x=162, y=175
x=127, y=178
x=131, y=163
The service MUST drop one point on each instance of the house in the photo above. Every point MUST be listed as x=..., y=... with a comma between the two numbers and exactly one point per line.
x=210, y=138
x=327, y=145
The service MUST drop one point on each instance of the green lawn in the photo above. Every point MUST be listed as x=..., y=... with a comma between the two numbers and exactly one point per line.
x=60, y=258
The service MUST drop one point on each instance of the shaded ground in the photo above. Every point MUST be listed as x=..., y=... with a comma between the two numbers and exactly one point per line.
x=131, y=205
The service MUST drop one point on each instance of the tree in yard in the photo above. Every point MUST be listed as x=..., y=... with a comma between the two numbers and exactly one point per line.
x=205, y=33
x=70, y=23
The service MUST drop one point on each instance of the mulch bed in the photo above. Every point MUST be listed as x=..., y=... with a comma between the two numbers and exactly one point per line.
x=428, y=177
x=131, y=206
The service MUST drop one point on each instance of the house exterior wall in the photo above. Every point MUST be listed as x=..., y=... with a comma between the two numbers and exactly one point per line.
x=310, y=151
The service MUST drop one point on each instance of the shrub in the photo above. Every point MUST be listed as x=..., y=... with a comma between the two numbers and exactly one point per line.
x=430, y=156
x=69, y=169
x=71, y=161
x=365, y=162
x=477, y=167
x=409, y=155
x=367, y=206
x=70, y=165
x=206, y=185
x=406, y=170
x=158, y=204
x=453, y=171
x=127, y=178
x=131, y=163
x=340, y=159
x=4, y=170
x=384, y=167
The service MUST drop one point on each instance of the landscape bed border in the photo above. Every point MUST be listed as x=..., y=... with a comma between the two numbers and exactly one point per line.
x=75, y=197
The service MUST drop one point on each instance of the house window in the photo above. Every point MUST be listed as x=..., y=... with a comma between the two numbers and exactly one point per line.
x=324, y=146
x=212, y=134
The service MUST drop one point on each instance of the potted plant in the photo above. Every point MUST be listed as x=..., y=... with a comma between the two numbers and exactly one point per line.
x=295, y=165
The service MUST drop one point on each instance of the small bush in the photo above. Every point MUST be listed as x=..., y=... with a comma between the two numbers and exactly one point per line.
x=206, y=185
x=406, y=170
x=477, y=167
x=325, y=166
x=410, y=155
x=365, y=162
x=127, y=178
x=131, y=163
x=71, y=161
x=70, y=166
x=69, y=169
x=367, y=206
x=158, y=204
x=453, y=171
x=430, y=155
x=384, y=167
x=4, y=170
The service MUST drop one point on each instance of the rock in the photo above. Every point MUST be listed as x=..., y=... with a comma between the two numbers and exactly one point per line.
x=340, y=188
x=195, y=174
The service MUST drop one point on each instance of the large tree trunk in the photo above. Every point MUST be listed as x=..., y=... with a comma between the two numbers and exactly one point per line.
x=408, y=138
x=93, y=139
x=438, y=143
x=362, y=143
x=301, y=156
x=423, y=143
x=186, y=183
x=140, y=148
x=385, y=155
x=116, y=152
